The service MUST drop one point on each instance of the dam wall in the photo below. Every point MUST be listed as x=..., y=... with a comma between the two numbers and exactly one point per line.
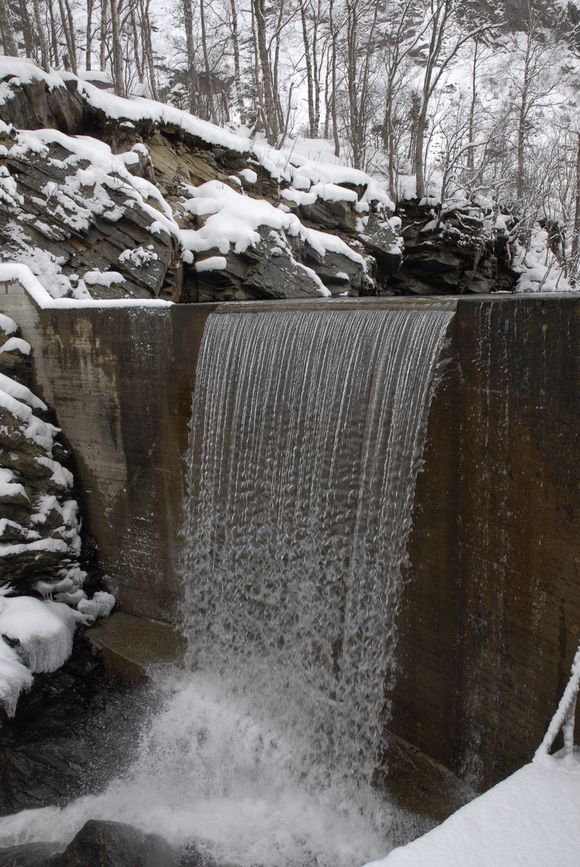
x=490, y=615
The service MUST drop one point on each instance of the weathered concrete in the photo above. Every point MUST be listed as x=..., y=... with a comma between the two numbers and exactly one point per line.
x=491, y=617
x=491, y=612
x=131, y=645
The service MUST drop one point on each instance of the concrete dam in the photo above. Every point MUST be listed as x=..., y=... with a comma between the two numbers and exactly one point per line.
x=367, y=504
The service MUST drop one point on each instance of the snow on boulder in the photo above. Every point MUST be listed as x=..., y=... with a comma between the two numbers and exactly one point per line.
x=15, y=678
x=43, y=630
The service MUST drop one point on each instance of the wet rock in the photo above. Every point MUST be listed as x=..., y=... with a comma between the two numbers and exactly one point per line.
x=112, y=844
x=28, y=855
x=454, y=252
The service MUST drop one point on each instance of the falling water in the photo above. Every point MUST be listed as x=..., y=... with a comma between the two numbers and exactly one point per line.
x=307, y=433
x=306, y=438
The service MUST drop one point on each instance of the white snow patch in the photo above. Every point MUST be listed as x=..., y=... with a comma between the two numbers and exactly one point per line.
x=101, y=278
x=20, y=392
x=7, y=325
x=100, y=605
x=249, y=175
x=14, y=677
x=529, y=819
x=43, y=629
x=16, y=344
x=212, y=263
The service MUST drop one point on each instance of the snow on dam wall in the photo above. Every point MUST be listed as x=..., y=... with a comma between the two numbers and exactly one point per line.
x=491, y=609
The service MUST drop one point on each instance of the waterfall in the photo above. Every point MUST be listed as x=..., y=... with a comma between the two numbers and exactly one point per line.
x=307, y=431
x=306, y=437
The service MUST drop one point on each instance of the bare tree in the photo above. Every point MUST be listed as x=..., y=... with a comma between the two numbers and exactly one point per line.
x=440, y=54
x=118, y=70
x=7, y=31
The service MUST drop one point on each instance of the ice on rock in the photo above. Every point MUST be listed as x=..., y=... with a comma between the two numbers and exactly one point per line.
x=14, y=678
x=100, y=605
x=43, y=629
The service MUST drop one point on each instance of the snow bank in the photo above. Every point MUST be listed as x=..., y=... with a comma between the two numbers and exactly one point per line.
x=529, y=820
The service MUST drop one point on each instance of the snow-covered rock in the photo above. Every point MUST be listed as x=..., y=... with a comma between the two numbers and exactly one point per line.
x=108, y=215
x=40, y=542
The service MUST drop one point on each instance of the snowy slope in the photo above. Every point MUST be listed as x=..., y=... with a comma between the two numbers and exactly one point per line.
x=532, y=819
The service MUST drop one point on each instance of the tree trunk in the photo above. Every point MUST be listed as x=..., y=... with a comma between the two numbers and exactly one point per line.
x=208, y=72
x=352, y=55
x=237, y=68
x=70, y=59
x=103, y=34
x=270, y=111
x=420, y=151
x=44, y=53
x=7, y=32
x=27, y=30
x=53, y=35
x=333, y=111
x=312, y=131
x=472, y=107
x=192, y=74
x=149, y=56
x=118, y=71
x=89, y=36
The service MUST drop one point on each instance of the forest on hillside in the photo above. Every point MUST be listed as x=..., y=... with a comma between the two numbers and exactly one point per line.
x=443, y=99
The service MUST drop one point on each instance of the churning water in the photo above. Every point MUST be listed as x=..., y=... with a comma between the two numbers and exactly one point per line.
x=306, y=438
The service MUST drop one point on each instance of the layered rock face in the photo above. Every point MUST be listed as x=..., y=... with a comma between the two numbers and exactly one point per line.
x=43, y=596
x=456, y=250
x=39, y=522
x=108, y=198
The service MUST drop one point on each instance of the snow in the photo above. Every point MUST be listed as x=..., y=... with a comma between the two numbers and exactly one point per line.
x=33, y=428
x=13, y=272
x=528, y=820
x=14, y=678
x=44, y=630
x=100, y=278
x=233, y=220
x=212, y=263
x=21, y=70
x=538, y=267
x=20, y=392
x=249, y=175
x=7, y=325
x=9, y=489
x=100, y=605
x=16, y=344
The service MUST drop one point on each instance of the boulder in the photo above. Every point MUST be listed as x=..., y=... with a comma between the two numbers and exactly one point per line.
x=112, y=844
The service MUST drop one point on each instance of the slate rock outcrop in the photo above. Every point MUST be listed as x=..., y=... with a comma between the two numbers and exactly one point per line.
x=453, y=251
x=40, y=542
x=103, y=216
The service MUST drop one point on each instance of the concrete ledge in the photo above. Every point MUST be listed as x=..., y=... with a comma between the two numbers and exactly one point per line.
x=130, y=645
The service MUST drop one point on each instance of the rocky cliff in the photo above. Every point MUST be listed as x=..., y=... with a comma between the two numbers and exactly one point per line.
x=108, y=198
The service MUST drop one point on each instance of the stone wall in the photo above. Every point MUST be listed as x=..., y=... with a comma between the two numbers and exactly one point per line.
x=491, y=611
